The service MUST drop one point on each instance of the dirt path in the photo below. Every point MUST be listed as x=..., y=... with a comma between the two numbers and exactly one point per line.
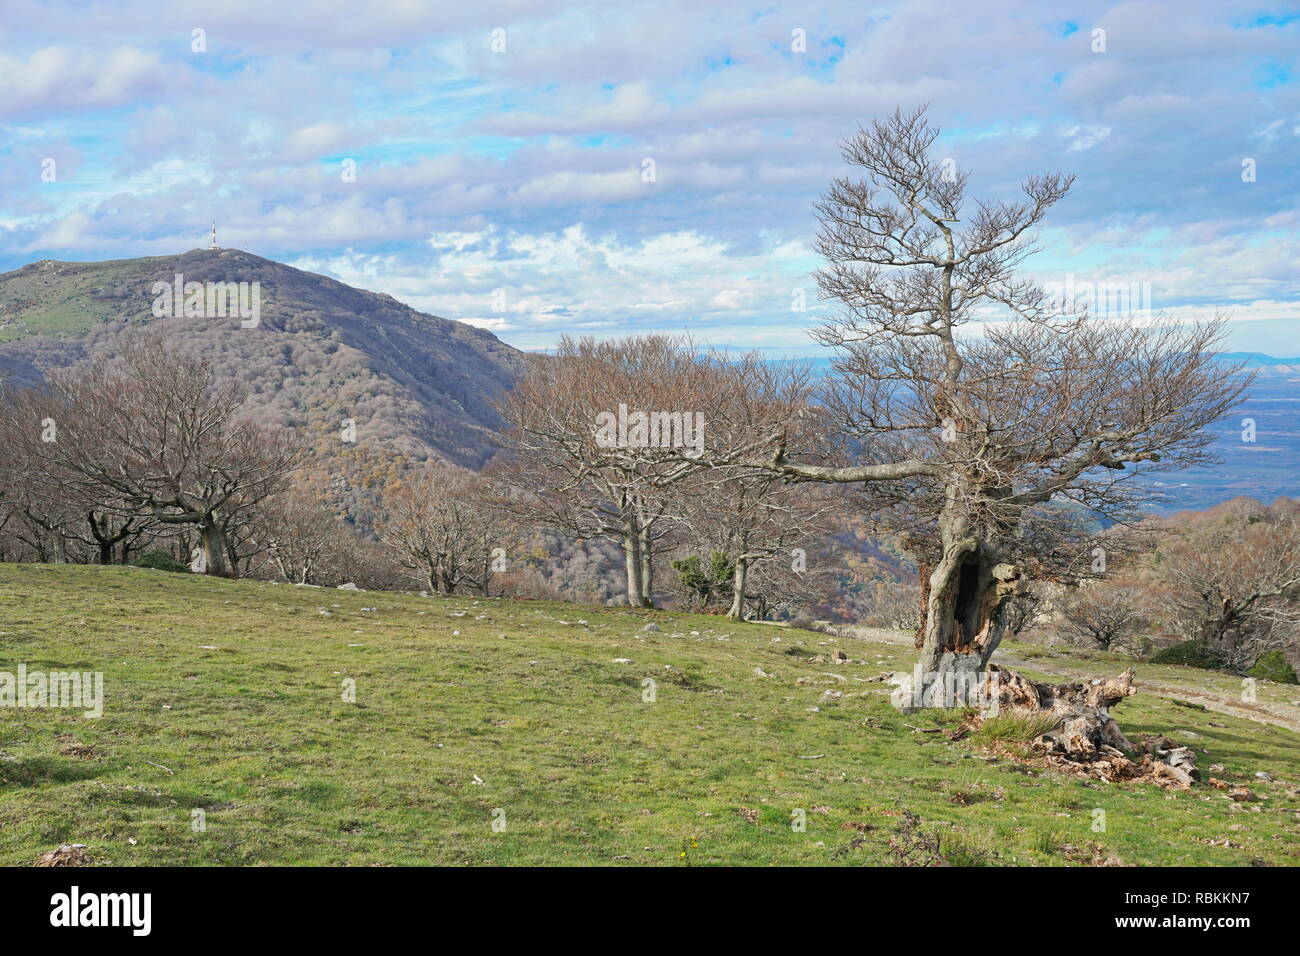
x=1264, y=712
x=1281, y=715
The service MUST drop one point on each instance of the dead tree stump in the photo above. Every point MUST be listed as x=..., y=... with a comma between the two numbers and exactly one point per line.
x=1085, y=735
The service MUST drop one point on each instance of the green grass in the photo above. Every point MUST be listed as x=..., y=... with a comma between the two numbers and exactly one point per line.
x=1013, y=727
x=68, y=298
x=530, y=701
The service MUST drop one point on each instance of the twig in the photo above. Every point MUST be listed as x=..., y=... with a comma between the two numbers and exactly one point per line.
x=923, y=730
x=161, y=767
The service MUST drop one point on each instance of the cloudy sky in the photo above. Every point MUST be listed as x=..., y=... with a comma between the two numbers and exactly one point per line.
x=442, y=151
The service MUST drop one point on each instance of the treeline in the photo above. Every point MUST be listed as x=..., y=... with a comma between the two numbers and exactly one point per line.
x=146, y=455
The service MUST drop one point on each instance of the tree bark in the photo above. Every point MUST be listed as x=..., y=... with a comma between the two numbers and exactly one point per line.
x=963, y=624
x=923, y=571
x=632, y=556
x=647, y=568
x=213, y=541
x=633, y=535
x=738, y=590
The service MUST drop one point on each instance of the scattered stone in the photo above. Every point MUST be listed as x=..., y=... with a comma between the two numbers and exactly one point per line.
x=349, y=587
x=1242, y=795
x=1225, y=842
x=761, y=673
x=652, y=626
x=1263, y=775
x=622, y=660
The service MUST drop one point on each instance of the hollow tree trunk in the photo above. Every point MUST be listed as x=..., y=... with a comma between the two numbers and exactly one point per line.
x=968, y=591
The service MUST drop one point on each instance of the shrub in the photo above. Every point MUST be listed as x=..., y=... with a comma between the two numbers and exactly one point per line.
x=1188, y=654
x=159, y=561
x=1273, y=665
x=705, y=586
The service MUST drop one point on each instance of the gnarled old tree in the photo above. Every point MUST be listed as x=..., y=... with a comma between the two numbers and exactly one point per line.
x=148, y=433
x=982, y=431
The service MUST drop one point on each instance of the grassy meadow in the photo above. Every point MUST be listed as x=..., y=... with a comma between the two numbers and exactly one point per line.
x=228, y=697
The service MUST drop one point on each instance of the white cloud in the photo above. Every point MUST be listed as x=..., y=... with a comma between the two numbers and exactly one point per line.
x=61, y=78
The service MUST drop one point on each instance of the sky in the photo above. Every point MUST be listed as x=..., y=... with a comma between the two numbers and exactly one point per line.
x=549, y=168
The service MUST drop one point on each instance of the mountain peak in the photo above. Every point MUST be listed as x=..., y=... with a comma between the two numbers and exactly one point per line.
x=319, y=350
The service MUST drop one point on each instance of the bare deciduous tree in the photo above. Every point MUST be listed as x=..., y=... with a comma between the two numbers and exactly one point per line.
x=979, y=430
x=602, y=432
x=148, y=432
x=754, y=519
x=895, y=605
x=302, y=537
x=1104, y=614
x=439, y=523
x=1235, y=590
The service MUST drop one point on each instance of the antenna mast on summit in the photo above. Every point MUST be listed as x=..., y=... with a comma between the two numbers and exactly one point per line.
x=214, y=236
